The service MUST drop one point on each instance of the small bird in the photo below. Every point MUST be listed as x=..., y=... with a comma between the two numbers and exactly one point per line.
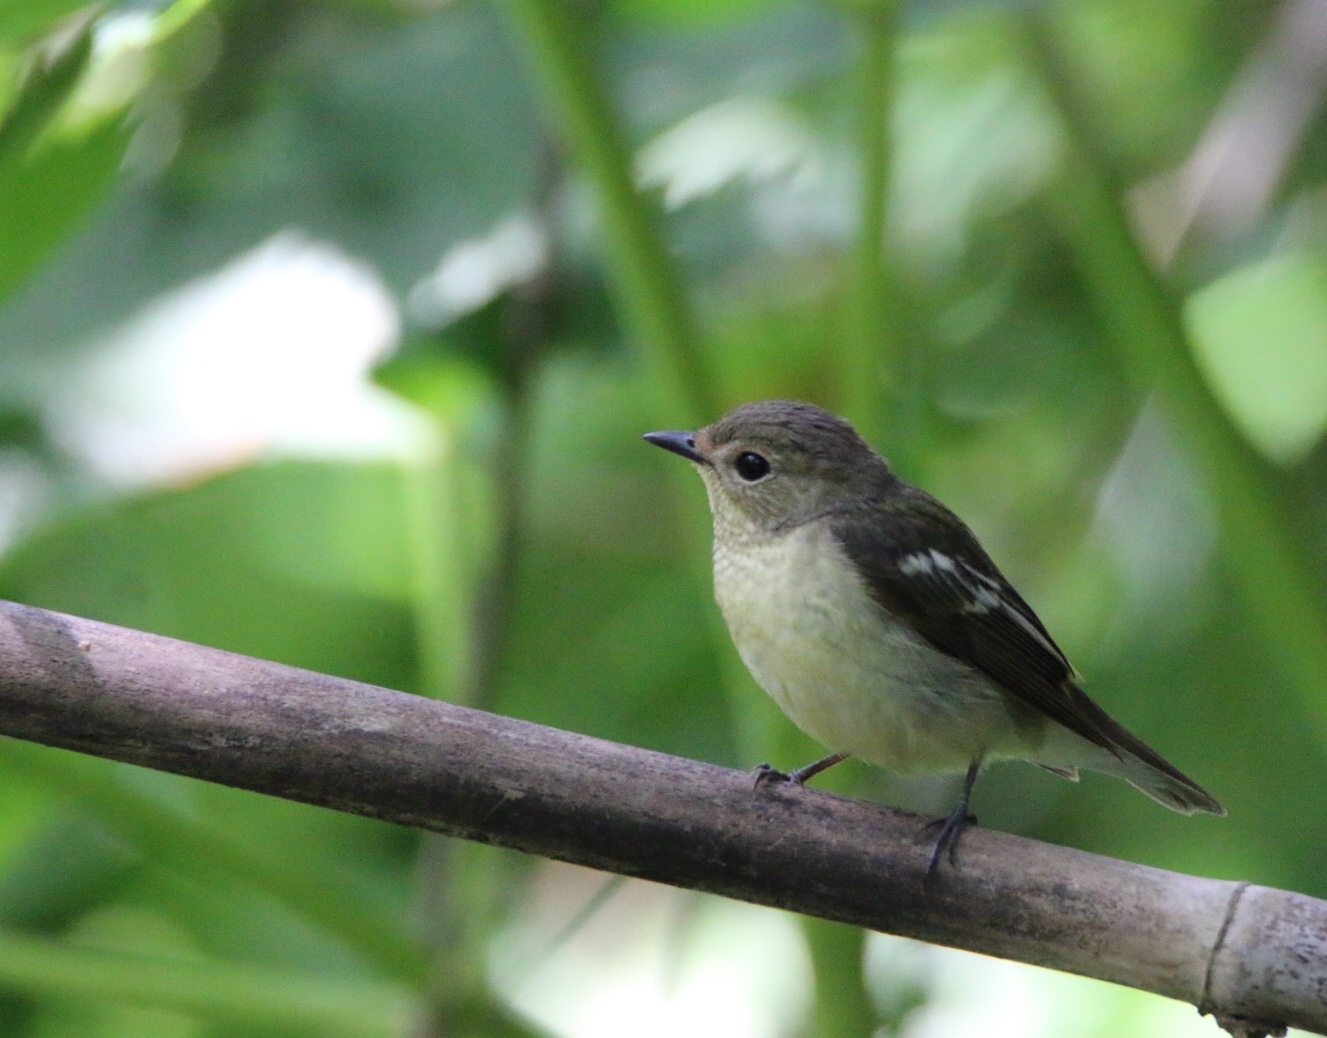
x=875, y=620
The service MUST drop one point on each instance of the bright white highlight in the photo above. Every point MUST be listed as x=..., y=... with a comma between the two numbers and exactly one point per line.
x=118, y=71
x=741, y=137
x=1260, y=337
x=976, y=995
x=1156, y=523
x=653, y=962
x=475, y=272
x=25, y=492
x=270, y=356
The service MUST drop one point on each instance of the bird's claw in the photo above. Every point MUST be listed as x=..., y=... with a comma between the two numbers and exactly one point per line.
x=946, y=843
x=765, y=775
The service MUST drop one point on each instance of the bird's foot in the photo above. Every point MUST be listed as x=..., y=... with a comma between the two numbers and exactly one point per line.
x=946, y=843
x=952, y=825
x=765, y=775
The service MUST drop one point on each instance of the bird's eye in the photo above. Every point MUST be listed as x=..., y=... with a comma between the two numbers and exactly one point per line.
x=751, y=466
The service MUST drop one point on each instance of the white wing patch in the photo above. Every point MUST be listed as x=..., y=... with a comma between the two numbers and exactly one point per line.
x=975, y=592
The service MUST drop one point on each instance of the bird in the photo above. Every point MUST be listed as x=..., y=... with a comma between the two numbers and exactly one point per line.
x=873, y=617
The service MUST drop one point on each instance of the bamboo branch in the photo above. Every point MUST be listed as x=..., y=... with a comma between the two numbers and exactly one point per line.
x=643, y=276
x=870, y=333
x=1241, y=952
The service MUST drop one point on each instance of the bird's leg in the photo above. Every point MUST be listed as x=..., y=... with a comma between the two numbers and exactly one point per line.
x=810, y=771
x=767, y=776
x=952, y=825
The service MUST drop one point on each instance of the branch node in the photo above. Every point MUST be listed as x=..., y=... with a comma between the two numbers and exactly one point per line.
x=1238, y=1026
x=1205, y=1007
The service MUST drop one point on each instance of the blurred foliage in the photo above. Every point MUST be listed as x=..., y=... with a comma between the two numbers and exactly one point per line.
x=995, y=234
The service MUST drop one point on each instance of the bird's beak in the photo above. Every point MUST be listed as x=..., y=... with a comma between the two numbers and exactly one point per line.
x=683, y=443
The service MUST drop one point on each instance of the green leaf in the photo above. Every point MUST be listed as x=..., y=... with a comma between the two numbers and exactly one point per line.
x=239, y=994
x=56, y=68
x=190, y=846
x=303, y=563
x=691, y=12
x=1260, y=337
x=46, y=198
x=25, y=20
x=48, y=185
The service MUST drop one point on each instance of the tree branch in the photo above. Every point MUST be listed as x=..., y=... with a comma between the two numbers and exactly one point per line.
x=1242, y=952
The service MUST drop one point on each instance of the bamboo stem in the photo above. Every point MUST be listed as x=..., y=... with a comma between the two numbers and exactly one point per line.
x=648, y=287
x=1238, y=951
x=870, y=334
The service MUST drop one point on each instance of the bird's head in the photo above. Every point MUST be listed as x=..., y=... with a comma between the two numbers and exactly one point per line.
x=776, y=464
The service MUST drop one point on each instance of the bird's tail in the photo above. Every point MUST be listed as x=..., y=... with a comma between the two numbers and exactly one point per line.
x=1160, y=780
x=1117, y=751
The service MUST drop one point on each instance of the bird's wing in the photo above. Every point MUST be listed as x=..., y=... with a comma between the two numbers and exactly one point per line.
x=955, y=597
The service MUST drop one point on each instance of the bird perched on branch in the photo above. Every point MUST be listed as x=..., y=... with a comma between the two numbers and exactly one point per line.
x=871, y=615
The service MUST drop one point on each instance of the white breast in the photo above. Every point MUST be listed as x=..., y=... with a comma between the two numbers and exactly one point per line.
x=806, y=626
